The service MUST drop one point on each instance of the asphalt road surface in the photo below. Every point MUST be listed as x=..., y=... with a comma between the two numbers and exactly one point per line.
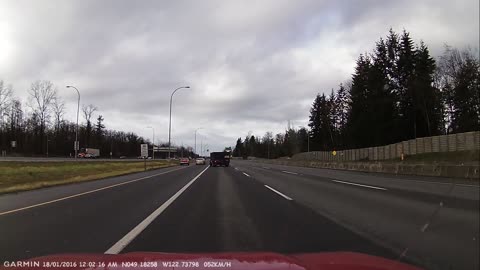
x=249, y=207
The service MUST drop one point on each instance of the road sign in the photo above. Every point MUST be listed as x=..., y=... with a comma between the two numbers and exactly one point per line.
x=76, y=145
x=144, y=150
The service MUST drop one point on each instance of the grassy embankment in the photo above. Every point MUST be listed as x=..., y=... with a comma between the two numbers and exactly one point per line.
x=21, y=176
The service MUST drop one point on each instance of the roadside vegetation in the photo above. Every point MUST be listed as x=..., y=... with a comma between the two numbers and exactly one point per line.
x=397, y=92
x=21, y=176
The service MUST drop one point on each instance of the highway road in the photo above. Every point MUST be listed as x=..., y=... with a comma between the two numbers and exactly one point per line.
x=249, y=207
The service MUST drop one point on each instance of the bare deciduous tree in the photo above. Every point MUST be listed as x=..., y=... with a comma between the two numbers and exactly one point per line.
x=88, y=112
x=16, y=114
x=42, y=94
x=58, y=107
x=5, y=98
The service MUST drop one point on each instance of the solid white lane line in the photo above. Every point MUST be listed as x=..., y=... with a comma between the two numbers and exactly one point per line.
x=279, y=193
x=247, y=174
x=122, y=243
x=289, y=172
x=85, y=193
x=360, y=185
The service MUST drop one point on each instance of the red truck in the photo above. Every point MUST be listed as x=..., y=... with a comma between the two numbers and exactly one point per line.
x=89, y=153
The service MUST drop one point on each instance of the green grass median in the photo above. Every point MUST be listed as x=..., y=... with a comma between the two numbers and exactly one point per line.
x=21, y=176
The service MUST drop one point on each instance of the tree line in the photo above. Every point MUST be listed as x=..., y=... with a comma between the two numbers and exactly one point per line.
x=397, y=92
x=39, y=127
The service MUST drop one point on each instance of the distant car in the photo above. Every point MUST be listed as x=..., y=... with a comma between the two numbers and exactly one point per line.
x=200, y=161
x=184, y=161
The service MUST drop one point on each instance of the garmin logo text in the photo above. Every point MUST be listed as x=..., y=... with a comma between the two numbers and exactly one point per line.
x=21, y=264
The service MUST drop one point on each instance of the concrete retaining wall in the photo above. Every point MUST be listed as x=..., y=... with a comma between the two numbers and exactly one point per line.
x=435, y=144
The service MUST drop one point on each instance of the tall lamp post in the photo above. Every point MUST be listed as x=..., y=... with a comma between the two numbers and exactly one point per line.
x=170, y=122
x=308, y=138
x=153, y=143
x=76, y=144
x=205, y=148
x=196, y=139
x=47, y=144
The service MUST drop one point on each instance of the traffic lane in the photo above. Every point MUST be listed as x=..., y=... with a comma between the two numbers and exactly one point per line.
x=366, y=175
x=22, y=199
x=445, y=198
x=450, y=237
x=225, y=210
x=89, y=223
x=465, y=189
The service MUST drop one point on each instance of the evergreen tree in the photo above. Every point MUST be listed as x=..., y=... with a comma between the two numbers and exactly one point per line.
x=407, y=93
x=358, y=121
x=314, y=123
x=321, y=124
x=380, y=99
x=238, y=151
x=342, y=105
x=426, y=98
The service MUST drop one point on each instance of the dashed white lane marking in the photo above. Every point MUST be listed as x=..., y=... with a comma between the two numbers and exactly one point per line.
x=290, y=172
x=246, y=174
x=279, y=193
x=360, y=185
x=122, y=243
x=84, y=193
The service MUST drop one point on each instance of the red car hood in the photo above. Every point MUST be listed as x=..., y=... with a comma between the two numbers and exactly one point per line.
x=231, y=261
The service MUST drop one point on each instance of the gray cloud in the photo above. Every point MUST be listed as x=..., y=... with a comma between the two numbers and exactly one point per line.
x=252, y=65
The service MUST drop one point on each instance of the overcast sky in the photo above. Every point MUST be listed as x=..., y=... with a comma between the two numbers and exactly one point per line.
x=251, y=65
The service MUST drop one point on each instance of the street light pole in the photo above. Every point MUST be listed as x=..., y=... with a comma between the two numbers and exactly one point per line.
x=170, y=121
x=47, y=144
x=76, y=129
x=308, y=138
x=153, y=143
x=268, y=149
x=205, y=149
x=308, y=142
x=196, y=139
